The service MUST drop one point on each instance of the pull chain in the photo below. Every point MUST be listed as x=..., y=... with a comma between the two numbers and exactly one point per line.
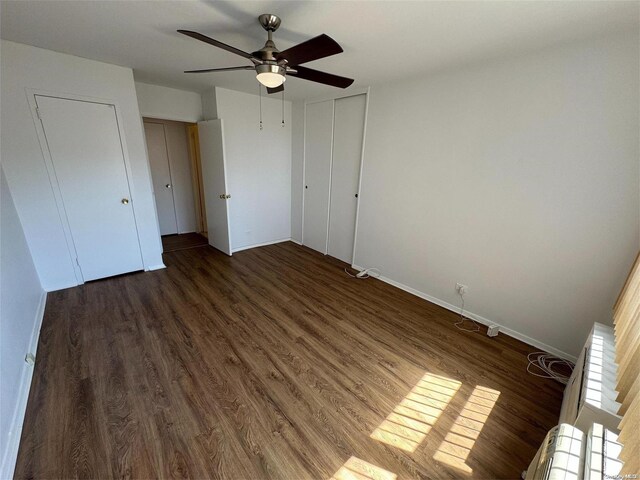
x=260, y=95
x=282, y=108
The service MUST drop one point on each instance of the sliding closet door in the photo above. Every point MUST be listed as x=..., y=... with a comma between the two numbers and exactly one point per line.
x=317, y=173
x=161, y=175
x=345, y=175
x=181, y=179
x=168, y=148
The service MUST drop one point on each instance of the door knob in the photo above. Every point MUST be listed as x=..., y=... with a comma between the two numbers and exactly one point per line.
x=227, y=196
x=168, y=185
x=124, y=201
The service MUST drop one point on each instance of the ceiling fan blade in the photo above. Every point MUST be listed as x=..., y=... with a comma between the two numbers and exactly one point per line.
x=215, y=43
x=275, y=89
x=313, y=49
x=321, y=77
x=226, y=69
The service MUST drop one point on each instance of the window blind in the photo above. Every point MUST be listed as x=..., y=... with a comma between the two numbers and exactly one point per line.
x=626, y=319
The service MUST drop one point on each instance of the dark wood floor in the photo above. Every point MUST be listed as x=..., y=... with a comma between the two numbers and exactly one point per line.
x=273, y=364
x=173, y=243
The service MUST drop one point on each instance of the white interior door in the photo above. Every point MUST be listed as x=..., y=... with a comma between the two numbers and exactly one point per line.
x=317, y=174
x=161, y=175
x=212, y=156
x=348, y=130
x=86, y=151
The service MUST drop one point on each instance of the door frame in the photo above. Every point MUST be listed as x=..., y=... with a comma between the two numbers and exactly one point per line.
x=353, y=93
x=196, y=177
x=193, y=147
x=55, y=187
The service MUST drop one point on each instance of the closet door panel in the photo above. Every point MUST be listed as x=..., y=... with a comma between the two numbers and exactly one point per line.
x=317, y=174
x=161, y=175
x=345, y=175
x=181, y=177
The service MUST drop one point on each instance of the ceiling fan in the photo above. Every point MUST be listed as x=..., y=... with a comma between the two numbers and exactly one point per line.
x=272, y=66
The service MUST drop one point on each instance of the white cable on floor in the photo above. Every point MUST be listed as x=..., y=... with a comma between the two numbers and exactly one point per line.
x=543, y=362
x=366, y=273
x=460, y=322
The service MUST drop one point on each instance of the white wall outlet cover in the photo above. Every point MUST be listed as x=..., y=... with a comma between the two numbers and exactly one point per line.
x=493, y=330
x=30, y=358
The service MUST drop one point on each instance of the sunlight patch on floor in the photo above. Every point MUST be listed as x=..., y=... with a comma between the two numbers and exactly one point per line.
x=407, y=426
x=457, y=444
x=357, y=469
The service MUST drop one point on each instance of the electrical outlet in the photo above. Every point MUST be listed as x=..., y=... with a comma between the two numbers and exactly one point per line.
x=461, y=289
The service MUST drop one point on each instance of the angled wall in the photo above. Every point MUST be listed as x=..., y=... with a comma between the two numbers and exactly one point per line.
x=22, y=302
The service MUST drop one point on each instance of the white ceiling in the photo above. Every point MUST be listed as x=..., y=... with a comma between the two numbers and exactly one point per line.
x=382, y=40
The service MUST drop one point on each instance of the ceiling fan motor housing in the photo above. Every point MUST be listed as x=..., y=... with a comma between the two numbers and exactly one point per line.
x=269, y=22
x=270, y=68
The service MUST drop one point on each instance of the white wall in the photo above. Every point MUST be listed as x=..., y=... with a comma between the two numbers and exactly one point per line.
x=297, y=169
x=22, y=302
x=518, y=178
x=26, y=67
x=167, y=103
x=209, y=104
x=258, y=167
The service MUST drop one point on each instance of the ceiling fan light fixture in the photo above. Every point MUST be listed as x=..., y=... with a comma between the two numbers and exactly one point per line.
x=272, y=66
x=270, y=75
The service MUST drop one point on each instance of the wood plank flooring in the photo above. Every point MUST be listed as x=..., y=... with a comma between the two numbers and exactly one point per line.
x=273, y=363
x=173, y=243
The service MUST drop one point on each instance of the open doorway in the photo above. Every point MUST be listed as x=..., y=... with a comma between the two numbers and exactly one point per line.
x=176, y=170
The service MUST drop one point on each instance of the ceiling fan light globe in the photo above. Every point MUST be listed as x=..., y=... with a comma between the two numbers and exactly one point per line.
x=270, y=75
x=270, y=79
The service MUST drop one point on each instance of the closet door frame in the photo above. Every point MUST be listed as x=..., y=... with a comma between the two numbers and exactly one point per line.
x=333, y=98
x=31, y=99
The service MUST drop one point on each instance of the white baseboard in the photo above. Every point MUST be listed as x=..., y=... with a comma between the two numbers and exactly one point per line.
x=61, y=286
x=478, y=318
x=297, y=242
x=151, y=268
x=273, y=242
x=13, y=438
